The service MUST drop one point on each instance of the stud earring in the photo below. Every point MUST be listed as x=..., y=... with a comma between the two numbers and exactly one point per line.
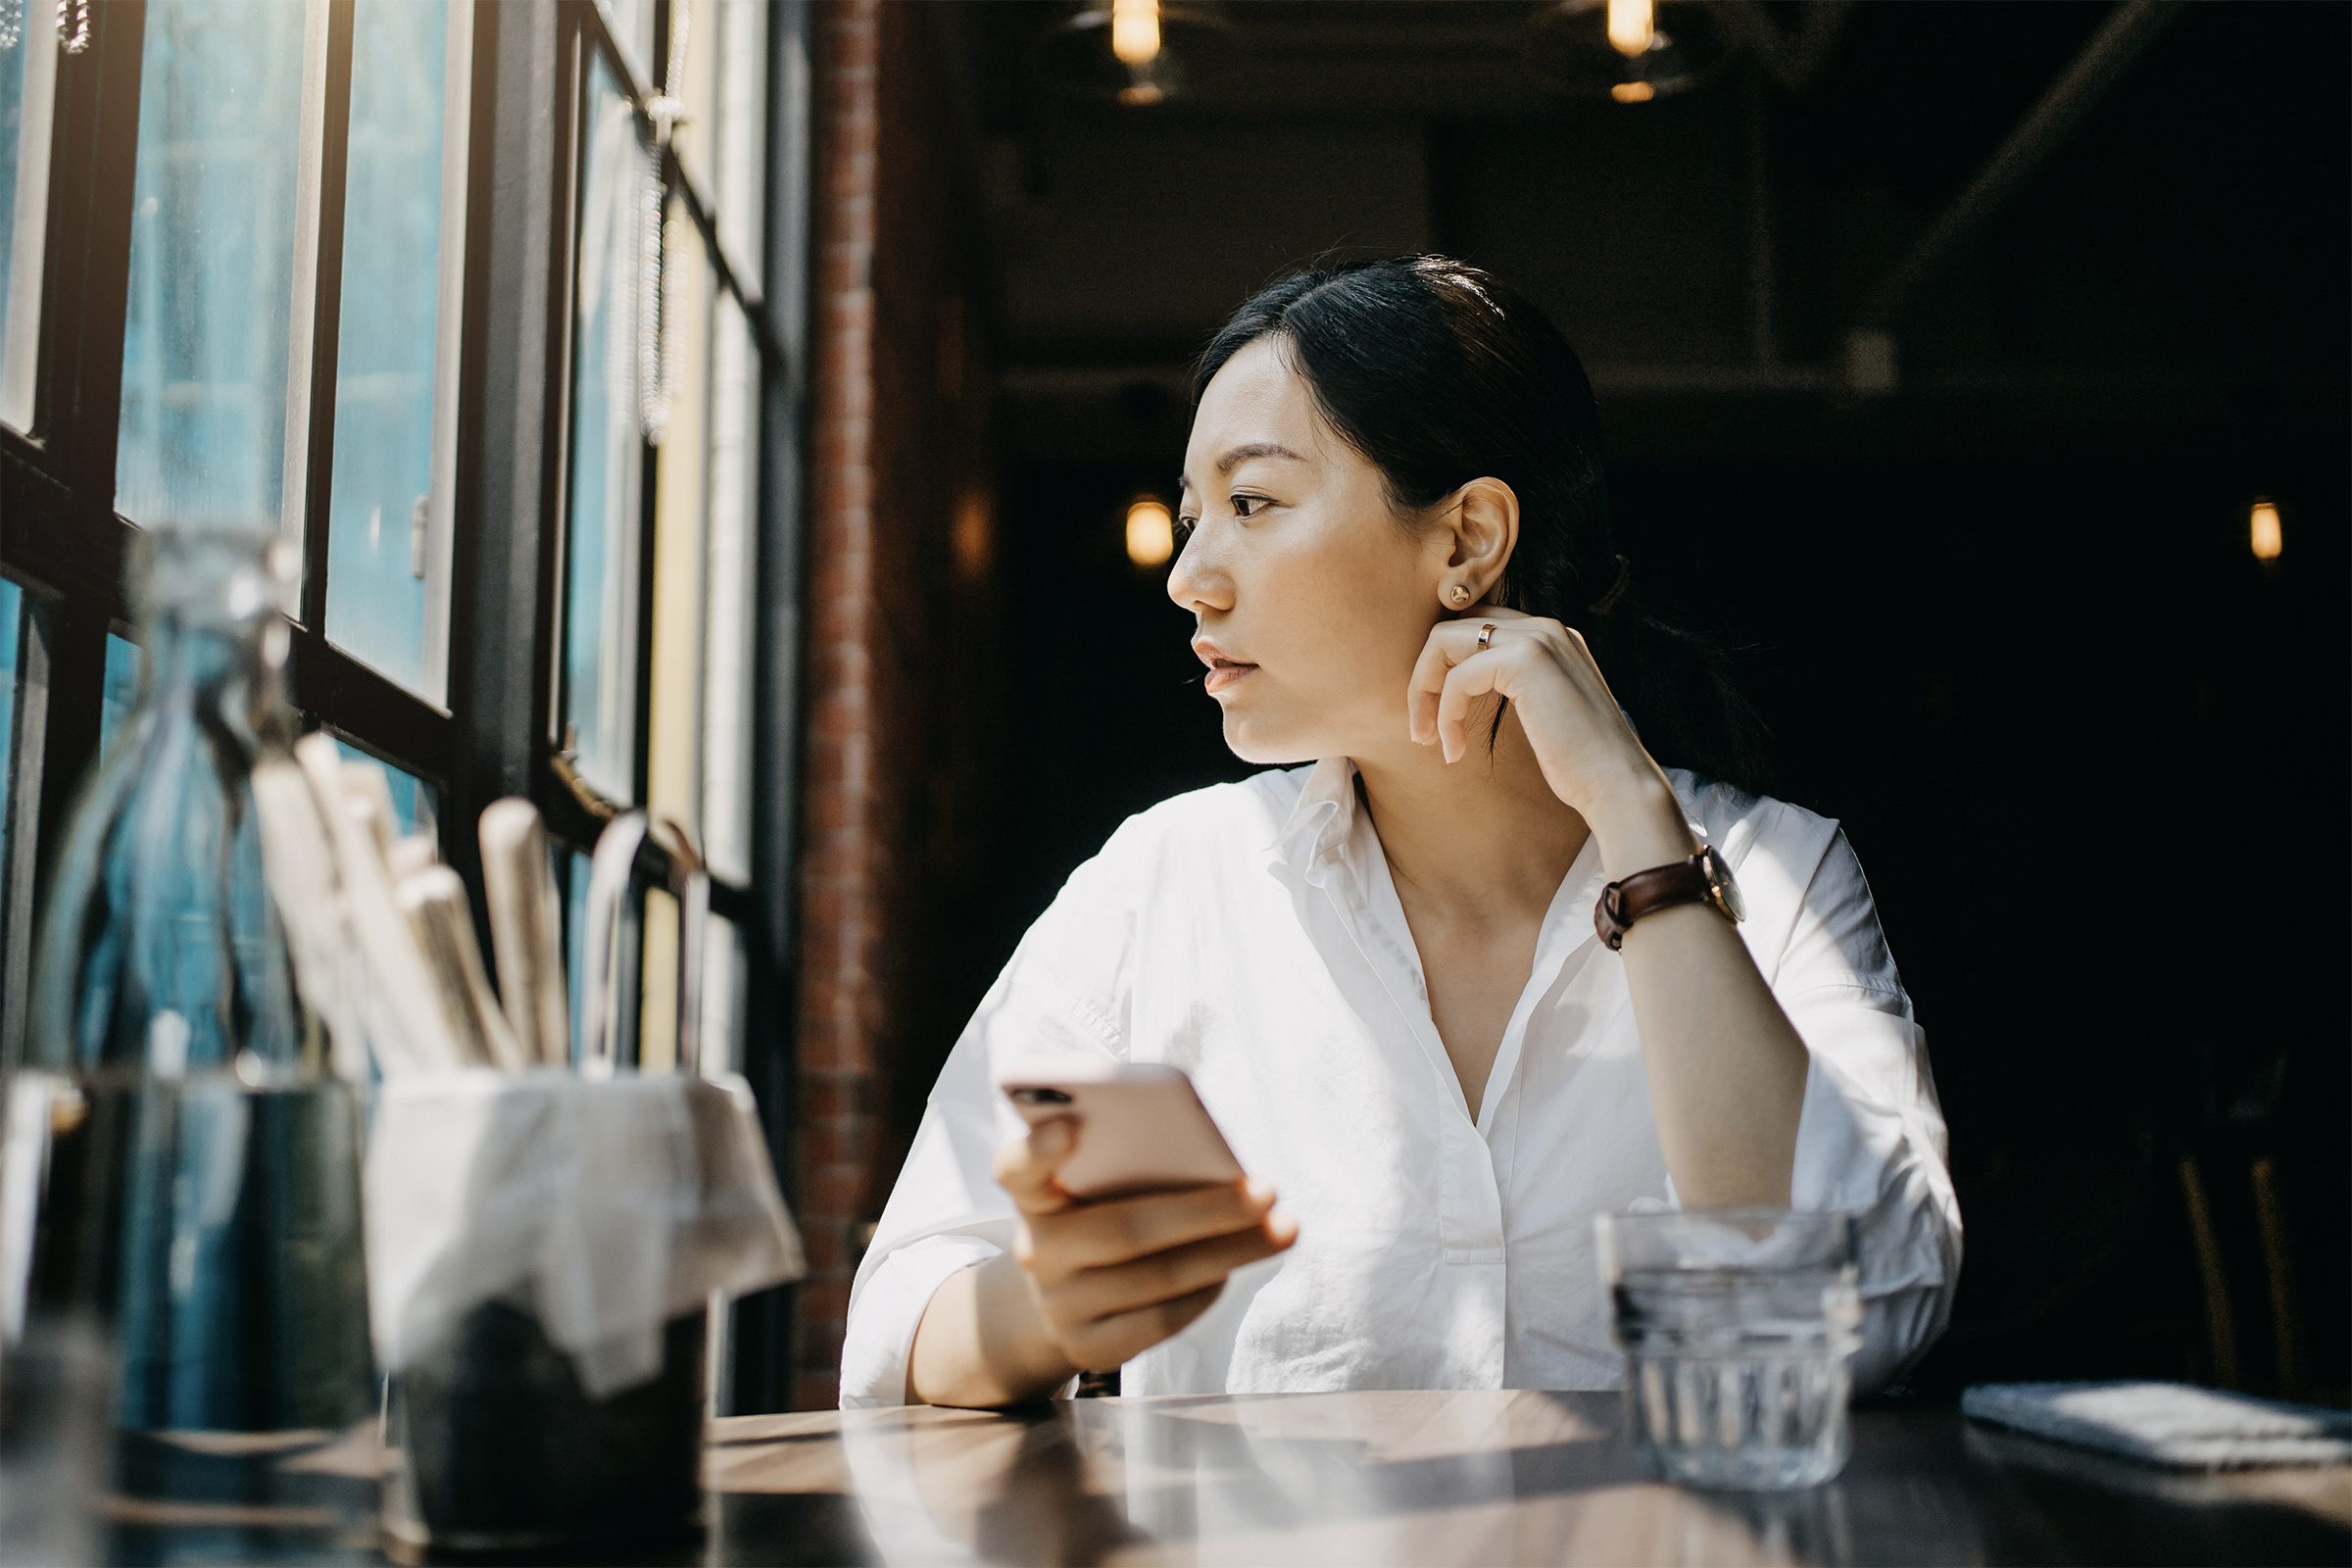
x=1459, y=594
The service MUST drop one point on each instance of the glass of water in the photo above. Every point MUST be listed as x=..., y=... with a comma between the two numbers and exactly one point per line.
x=1738, y=1327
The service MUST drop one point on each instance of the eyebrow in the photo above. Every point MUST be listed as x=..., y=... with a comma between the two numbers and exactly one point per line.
x=1242, y=454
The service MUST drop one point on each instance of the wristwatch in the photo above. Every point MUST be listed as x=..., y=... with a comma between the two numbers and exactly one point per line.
x=1701, y=879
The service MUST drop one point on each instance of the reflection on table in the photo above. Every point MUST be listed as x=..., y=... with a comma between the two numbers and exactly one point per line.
x=1454, y=1477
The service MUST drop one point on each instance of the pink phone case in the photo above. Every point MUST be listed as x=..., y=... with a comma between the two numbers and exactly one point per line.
x=1141, y=1128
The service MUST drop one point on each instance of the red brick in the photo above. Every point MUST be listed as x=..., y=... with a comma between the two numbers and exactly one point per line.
x=815, y=1393
x=825, y=1298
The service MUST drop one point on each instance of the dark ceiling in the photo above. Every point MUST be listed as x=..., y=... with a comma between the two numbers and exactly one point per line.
x=2166, y=243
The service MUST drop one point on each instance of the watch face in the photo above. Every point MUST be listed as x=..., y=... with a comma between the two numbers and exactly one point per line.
x=1726, y=890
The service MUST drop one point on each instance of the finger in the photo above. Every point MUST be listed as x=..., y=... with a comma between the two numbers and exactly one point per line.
x=1106, y=1345
x=1450, y=643
x=1025, y=1165
x=1467, y=682
x=1095, y=1294
x=1115, y=1230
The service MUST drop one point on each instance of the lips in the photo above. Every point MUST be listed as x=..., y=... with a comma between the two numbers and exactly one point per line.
x=1222, y=670
x=1224, y=674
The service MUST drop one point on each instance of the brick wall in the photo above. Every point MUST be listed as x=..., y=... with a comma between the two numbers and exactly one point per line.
x=897, y=758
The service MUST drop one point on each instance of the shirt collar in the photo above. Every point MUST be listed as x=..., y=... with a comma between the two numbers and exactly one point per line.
x=1324, y=814
x=1317, y=827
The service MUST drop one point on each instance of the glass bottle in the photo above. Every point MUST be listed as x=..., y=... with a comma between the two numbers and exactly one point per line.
x=180, y=1183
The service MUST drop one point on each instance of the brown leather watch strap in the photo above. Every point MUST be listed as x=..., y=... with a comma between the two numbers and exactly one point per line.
x=1661, y=887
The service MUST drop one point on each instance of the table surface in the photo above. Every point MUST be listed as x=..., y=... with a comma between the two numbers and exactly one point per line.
x=1486, y=1477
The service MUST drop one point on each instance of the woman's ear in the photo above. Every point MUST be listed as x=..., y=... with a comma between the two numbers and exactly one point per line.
x=1481, y=529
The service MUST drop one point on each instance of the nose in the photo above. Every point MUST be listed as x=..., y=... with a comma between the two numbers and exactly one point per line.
x=1198, y=581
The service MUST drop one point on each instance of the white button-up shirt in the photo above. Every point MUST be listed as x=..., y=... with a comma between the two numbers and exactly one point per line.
x=1250, y=933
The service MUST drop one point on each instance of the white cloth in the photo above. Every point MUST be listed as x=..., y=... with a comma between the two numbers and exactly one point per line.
x=1249, y=934
x=605, y=1207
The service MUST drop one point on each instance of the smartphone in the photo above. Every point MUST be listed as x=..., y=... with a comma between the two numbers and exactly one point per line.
x=1141, y=1126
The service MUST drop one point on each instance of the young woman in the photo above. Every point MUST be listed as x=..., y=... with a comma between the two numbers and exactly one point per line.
x=1390, y=969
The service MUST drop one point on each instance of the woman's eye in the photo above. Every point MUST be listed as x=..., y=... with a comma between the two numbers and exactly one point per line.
x=1184, y=529
x=1240, y=500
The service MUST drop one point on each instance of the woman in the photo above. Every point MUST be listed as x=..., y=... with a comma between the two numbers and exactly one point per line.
x=1388, y=968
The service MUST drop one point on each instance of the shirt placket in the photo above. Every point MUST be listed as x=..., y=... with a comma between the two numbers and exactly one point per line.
x=1472, y=1283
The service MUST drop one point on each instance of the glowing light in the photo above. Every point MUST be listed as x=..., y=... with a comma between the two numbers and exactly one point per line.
x=1632, y=92
x=2266, y=538
x=1630, y=28
x=1151, y=533
x=971, y=538
x=1135, y=31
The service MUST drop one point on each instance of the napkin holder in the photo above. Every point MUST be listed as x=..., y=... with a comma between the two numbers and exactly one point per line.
x=543, y=1250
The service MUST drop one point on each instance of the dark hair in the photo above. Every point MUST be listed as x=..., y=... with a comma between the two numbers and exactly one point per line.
x=1438, y=374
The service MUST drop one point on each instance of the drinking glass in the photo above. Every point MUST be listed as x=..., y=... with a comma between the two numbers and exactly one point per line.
x=1738, y=1327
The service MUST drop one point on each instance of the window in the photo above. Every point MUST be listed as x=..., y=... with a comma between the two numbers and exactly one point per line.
x=27, y=88
x=203, y=437
x=396, y=344
x=11, y=613
x=307, y=284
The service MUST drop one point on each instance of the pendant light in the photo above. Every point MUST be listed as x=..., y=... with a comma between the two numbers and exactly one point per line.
x=1136, y=52
x=1628, y=51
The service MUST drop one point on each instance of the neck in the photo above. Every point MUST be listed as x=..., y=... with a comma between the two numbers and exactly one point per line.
x=1486, y=837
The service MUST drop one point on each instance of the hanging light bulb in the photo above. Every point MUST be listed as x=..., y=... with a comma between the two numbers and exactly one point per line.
x=1135, y=31
x=1136, y=52
x=1151, y=532
x=2263, y=526
x=1631, y=26
x=1629, y=50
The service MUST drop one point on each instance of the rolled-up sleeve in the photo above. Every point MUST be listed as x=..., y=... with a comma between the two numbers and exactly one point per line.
x=1870, y=1136
x=1061, y=995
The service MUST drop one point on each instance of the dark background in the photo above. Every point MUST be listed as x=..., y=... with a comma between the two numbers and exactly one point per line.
x=2004, y=619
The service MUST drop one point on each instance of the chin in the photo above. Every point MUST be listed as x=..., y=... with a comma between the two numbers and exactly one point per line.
x=1254, y=740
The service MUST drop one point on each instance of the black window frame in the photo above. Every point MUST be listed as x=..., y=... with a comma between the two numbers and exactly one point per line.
x=63, y=544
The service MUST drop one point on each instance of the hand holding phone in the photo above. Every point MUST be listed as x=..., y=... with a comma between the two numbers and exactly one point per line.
x=1133, y=1208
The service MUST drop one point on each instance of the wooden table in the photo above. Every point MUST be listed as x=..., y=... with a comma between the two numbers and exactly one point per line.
x=1472, y=1477
x=1395, y=1478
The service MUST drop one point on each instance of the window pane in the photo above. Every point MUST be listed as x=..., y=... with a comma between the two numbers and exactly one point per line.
x=412, y=797
x=733, y=597
x=674, y=707
x=27, y=88
x=600, y=607
x=121, y=685
x=657, y=984
x=724, y=972
x=11, y=613
x=211, y=252
x=723, y=138
x=632, y=23
x=388, y=543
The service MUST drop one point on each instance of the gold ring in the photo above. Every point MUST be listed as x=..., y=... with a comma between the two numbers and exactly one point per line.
x=1485, y=637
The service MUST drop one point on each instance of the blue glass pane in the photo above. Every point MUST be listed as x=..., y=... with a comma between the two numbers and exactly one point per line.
x=412, y=797
x=11, y=612
x=121, y=685
x=205, y=343
x=381, y=565
x=12, y=134
x=600, y=604
x=571, y=874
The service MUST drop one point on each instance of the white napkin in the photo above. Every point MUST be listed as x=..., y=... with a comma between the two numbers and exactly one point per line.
x=603, y=1209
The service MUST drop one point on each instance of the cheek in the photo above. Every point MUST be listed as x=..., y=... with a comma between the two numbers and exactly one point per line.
x=1350, y=618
